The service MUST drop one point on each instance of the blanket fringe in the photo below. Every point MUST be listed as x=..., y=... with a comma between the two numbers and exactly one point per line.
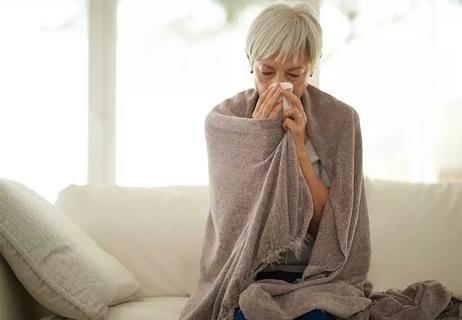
x=273, y=256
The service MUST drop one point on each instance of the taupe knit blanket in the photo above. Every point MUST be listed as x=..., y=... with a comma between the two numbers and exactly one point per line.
x=260, y=206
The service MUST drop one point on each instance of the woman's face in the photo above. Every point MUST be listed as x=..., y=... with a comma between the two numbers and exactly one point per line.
x=269, y=71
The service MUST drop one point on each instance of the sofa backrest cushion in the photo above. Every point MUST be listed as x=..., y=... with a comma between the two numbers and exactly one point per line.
x=155, y=232
x=416, y=231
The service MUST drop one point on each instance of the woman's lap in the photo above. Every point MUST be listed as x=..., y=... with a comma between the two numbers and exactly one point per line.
x=279, y=274
x=316, y=314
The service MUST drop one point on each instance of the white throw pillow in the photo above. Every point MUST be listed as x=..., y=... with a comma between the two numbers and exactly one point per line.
x=58, y=263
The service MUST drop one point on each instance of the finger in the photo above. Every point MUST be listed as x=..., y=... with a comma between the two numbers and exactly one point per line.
x=257, y=110
x=275, y=111
x=293, y=98
x=269, y=104
x=261, y=100
x=289, y=123
x=268, y=93
x=272, y=87
x=291, y=112
x=294, y=128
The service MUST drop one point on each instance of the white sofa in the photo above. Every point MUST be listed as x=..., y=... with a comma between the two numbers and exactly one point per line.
x=416, y=234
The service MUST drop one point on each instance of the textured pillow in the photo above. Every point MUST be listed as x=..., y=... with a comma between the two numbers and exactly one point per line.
x=58, y=263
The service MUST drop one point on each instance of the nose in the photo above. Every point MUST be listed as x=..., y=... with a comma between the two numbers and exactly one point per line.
x=280, y=77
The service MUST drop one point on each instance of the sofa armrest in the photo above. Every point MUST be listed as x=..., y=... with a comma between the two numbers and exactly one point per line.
x=15, y=301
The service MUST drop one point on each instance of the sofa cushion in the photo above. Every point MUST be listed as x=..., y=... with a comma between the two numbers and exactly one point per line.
x=162, y=308
x=58, y=263
x=155, y=232
x=416, y=233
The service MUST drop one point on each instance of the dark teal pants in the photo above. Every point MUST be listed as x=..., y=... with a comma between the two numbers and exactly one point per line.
x=289, y=277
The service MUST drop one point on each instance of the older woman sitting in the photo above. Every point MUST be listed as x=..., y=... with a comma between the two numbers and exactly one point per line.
x=246, y=234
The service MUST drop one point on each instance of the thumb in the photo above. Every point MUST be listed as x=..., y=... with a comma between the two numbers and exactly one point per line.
x=288, y=123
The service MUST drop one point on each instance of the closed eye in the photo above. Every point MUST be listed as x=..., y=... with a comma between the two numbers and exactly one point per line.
x=290, y=74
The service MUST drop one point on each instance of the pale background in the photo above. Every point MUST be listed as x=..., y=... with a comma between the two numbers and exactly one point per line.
x=396, y=62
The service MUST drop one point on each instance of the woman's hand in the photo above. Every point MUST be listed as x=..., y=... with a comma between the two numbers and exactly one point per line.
x=295, y=119
x=267, y=106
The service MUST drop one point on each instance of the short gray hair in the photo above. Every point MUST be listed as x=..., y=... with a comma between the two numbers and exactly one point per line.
x=288, y=29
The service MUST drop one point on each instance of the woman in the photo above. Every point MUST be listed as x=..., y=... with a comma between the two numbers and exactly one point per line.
x=281, y=241
x=284, y=45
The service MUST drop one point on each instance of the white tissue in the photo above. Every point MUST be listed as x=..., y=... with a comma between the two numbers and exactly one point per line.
x=285, y=102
